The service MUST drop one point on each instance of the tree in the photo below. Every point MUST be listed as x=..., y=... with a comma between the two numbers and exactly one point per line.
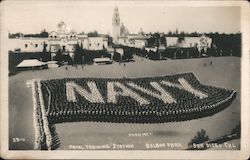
x=201, y=136
x=176, y=31
x=59, y=56
x=93, y=34
x=128, y=55
x=169, y=33
x=44, y=53
x=44, y=33
x=151, y=41
x=78, y=54
x=15, y=35
x=180, y=39
x=163, y=40
x=110, y=41
x=81, y=46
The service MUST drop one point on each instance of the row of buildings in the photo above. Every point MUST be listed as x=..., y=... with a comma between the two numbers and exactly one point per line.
x=62, y=39
x=121, y=36
x=65, y=40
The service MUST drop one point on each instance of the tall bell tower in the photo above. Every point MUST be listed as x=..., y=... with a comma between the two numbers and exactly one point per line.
x=116, y=25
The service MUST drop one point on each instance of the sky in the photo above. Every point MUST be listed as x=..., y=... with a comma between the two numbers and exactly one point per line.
x=82, y=16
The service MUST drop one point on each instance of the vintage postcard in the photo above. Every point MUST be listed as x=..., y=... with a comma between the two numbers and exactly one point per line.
x=124, y=79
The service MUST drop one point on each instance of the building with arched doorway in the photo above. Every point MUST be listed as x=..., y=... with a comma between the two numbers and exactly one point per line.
x=64, y=39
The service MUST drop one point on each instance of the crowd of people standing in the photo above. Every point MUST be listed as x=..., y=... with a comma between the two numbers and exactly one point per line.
x=126, y=109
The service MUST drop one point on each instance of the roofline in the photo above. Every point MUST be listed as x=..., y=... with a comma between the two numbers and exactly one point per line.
x=25, y=38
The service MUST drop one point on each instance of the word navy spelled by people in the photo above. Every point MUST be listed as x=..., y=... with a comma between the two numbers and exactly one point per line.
x=94, y=95
x=132, y=100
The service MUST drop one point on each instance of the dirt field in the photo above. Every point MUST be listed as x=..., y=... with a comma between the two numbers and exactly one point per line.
x=223, y=72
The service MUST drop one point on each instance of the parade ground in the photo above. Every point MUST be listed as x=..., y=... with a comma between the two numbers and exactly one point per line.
x=222, y=72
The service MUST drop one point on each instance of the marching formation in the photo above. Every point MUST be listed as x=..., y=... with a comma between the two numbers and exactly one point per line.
x=172, y=98
x=142, y=100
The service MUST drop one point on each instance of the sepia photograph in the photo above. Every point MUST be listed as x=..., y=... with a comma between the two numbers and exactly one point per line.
x=122, y=76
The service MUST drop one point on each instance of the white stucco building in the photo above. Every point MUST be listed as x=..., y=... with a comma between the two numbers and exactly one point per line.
x=63, y=39
x=202, y=42
x=133, y=41
x=96, y=43
x=27, y=44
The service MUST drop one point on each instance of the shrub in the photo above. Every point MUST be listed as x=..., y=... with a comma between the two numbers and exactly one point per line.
x=200, y=137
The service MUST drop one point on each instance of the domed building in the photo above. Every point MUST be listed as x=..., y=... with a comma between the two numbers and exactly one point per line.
x=124, y=30
x=64, y=39
x=63, y=31
x=121, y=35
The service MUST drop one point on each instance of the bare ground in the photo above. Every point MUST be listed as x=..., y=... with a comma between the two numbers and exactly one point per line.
x=224, y=72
